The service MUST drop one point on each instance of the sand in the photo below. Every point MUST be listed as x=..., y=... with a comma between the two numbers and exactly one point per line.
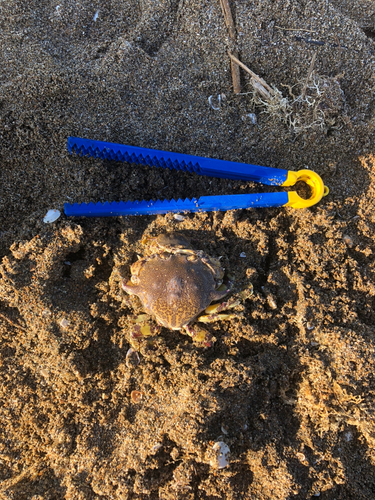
x=289, y=385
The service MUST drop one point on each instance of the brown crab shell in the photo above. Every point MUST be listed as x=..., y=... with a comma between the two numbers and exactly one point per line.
x=175, y=287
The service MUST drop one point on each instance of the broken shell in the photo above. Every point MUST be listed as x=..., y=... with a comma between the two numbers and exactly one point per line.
x=132, y=358
x=222, y=451
x=64, y=323
x=51, y=216
x=224, y=429
x=136, y=396
x=156, y=447
x=178, y=217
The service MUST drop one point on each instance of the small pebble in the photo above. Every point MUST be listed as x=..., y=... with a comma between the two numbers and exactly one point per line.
x=136, y=396
x=348, y=436
x=222, y=451
x=271, y=302
x=156, y=447
x=51, y=216
x=243, y=255
x=348, y=241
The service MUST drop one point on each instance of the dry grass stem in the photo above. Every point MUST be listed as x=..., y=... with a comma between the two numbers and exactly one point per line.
x=294, y=29
x=319, y=106
x=309, y=73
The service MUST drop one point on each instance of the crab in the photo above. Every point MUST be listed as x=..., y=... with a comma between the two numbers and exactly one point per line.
x=175, y=285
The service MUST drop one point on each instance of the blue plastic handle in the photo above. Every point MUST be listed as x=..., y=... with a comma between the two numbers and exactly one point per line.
x=204, y=204
x=198, y=164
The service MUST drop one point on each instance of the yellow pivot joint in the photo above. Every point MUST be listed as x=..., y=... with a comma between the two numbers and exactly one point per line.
x=313, y=180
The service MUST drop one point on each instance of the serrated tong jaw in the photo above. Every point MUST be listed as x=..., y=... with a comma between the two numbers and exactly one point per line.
x=200, y=166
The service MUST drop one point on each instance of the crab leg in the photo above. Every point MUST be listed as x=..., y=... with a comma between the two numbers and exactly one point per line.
x=141, y=332
x=213, y=311
x=200, y=336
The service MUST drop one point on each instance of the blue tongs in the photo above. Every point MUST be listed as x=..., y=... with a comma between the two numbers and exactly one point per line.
x=201, y=166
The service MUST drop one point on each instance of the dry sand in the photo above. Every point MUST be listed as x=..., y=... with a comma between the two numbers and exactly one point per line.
x=290, y=385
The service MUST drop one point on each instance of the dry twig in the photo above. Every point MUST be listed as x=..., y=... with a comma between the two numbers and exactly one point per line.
x=254, y=75
x=12, y=323
x=9, y=483
x=228, y=18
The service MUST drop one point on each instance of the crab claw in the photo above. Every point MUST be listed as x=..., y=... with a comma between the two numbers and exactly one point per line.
x=129, y=287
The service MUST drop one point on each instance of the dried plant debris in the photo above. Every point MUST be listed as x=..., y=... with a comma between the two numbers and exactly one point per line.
x=319, y=105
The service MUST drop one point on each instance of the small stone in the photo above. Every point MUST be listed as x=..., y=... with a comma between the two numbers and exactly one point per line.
x=348, y=241
x=348, y=436
x=51, y=216
x=242, y=255
x=136, y=396
x=271, y=302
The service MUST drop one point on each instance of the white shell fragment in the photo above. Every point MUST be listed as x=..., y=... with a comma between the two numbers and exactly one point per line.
x=252, y=117
x=222, y=454
x=51, y=216
x=156, y=447
x=178, y=217
x=243, y=255
x=64, y=323
x=216, y=108
x=132, y=358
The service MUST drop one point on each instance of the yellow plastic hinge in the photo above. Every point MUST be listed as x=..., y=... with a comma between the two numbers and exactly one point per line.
x=318, y=189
